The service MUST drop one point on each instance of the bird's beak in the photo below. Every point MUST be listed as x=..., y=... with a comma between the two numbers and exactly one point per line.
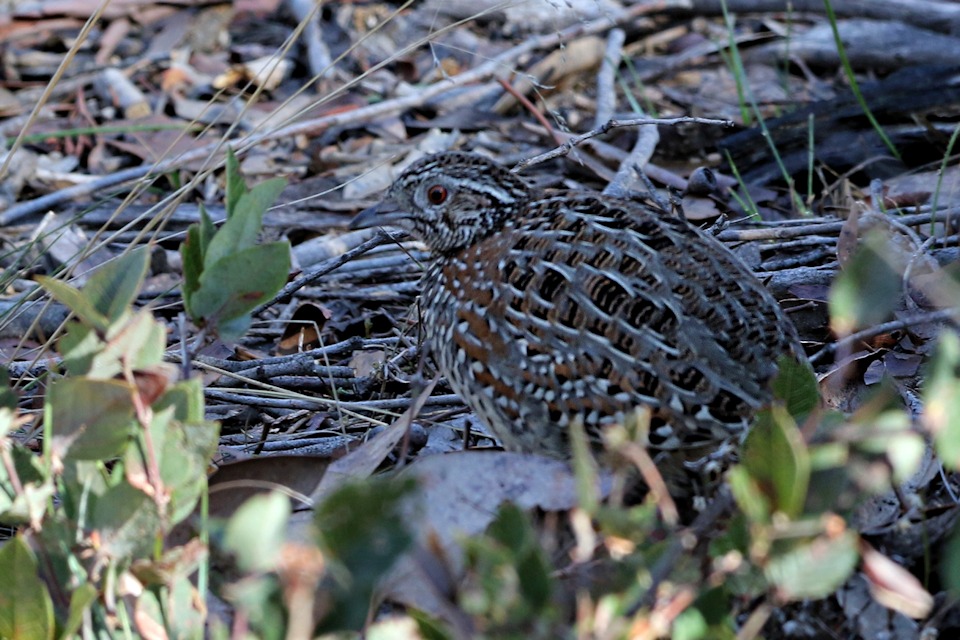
x=384, y=214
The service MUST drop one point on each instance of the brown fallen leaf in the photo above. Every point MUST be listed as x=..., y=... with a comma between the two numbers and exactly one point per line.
x=893, y=586
x=459, y=496
x=364, y=460
x=234, y=483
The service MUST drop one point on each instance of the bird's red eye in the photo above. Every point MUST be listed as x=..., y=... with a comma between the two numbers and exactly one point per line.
x=437, y=194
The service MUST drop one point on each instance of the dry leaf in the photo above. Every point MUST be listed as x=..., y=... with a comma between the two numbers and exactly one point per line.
x=459, y=496
x=893, y=586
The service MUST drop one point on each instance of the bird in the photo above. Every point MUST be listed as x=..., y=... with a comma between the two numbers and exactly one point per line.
x=545, y=307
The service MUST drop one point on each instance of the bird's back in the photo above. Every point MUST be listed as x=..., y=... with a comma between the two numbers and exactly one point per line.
x=585, y=306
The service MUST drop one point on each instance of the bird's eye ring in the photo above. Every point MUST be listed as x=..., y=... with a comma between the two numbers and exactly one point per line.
x=437, y=194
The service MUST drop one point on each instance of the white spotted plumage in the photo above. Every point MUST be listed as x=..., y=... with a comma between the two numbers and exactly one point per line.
x=542, y=308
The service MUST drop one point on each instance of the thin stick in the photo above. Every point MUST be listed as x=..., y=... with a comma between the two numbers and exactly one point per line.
x=781, y=232
x=529, y=106
x=606, y=78
x=568, y=146
x=847, y=342
x=311, y=276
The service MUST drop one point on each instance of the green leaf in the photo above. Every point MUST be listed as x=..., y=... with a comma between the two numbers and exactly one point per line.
x=796, y=385
x=509, y=581
x=126, y=520
x=585, y=468
x=186, y=397
x=941, y=396
x=138, y=344
x=78, y=480
x=361, y=530
x=234, y=328
x=59, y=561
x=777, y=460
x=30, y=504
x=746, y=491
x=816, y=569
x=258, y=599
x=833, y=488
x=512, y=529
x=225, y=274
x=950, y=564
x=90, y=419
x=890, y=433
x=26, y=611
x=187, y=610
x=109, y=292
x=80, y=601
x=114, y=286
x=149, y=612
x=193, y=252
x=429, y=628
x=207, y=230
x=689, y=625
x=243, y=225
x=251, y=207
x=8, y=397
x=76, y=301
x=255, y=533
x=236, y=186
x=714, y=606
x=183, y=452
x=79, y=346
x=867, y=290
x=240, y=282
x=8, y=422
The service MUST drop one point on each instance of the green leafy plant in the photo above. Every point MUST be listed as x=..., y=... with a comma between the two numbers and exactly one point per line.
x=510, y=586
x=290, y=585
x=867, y=290
x=362, y=533
x=125, y=453
x=226, y=274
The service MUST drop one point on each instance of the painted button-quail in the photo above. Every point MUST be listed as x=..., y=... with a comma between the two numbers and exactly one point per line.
x=546, y=306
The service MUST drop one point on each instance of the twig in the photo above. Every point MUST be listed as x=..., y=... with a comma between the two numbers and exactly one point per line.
x=568, y=146
x=76, y=192
x=315, y=273
x=346, y=346
x=296, y=366
x=397, y=263
x=631, y=170
x=781, y=232
x=319, y=59
x=185, y=363
x=809, y=257
x=848, y=341
x=393, y=404
x=529, y=106
x=606, y=91
x=936, y=16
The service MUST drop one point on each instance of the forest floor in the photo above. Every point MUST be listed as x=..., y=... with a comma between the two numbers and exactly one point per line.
x=116, y=131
